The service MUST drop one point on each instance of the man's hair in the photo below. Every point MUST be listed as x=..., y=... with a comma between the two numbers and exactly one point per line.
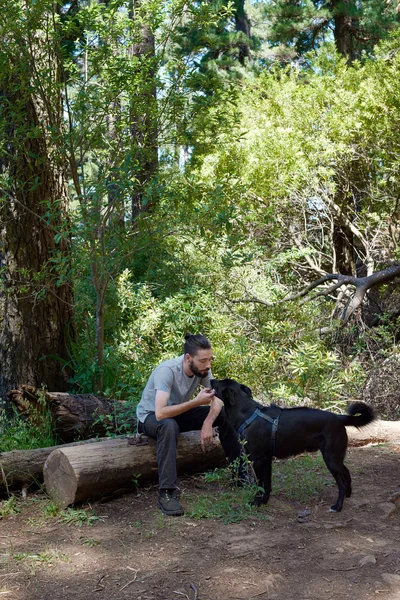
x=194, y=343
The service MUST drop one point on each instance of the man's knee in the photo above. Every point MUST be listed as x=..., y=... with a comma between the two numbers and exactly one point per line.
x=168, y=428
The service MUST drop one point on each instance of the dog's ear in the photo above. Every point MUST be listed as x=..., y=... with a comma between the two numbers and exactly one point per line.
x=246, y=390
x=229, y=396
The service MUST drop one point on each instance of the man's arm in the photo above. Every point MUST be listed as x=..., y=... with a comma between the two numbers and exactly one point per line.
x=163, y=411
x=206, y=434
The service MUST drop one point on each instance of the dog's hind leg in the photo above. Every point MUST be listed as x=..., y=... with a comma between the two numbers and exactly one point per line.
x=337, y=469
x=263, y=472
x=348, y=481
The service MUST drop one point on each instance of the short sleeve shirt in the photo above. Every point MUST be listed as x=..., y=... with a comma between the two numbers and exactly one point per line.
x=170, y=377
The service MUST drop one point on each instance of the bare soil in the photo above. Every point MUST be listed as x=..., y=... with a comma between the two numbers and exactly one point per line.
x=289, y=550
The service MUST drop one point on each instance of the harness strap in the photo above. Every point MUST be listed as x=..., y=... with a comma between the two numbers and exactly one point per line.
x=259, y=413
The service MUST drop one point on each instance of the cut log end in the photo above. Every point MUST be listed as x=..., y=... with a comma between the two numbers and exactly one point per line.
x=60, y=479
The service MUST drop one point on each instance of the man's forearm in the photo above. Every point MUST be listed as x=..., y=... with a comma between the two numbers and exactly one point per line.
x=215, y=409
x=173, y=410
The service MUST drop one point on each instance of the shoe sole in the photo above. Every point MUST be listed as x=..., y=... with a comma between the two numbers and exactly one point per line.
x=171, y=513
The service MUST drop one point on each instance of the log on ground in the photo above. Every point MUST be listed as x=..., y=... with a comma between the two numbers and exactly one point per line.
x=75, y=416
x=114, y=466
x=21, y=468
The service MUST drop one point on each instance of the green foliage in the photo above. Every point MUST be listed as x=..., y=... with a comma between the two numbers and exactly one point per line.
x=294, y=29
x=19, y=433
x=9, y=507
x=227, y=506
x=78, y=517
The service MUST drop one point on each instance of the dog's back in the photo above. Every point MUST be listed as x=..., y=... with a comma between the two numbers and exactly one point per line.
x=303, y=429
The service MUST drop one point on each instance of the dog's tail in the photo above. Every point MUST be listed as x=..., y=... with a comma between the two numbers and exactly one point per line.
x=358, y=415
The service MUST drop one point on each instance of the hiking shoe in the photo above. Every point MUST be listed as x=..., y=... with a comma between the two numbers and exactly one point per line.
x=169, y=504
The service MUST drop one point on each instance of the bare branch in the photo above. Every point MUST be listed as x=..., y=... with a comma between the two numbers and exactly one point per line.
x=356, y=297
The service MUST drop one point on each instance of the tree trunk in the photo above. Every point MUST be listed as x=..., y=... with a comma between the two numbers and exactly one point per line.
x=114, y=466
x=242, y=25
x=35, y=302
x=344, y=26
x=75, y=416
x=342, y=239
x=143, y=109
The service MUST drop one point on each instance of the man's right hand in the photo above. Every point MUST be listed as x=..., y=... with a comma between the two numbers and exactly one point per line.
x=205, y=396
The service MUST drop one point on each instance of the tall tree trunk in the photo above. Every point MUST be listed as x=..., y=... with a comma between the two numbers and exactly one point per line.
x=144, y=109
x=242, y=25
x=344, y=29
x=36, y=301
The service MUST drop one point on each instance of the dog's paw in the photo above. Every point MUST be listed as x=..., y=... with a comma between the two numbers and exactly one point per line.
x=259, y=500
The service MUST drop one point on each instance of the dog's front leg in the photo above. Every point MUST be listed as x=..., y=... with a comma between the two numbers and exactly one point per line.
x=262, y=469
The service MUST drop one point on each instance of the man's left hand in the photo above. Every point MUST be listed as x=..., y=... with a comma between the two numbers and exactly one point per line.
x=206, y=435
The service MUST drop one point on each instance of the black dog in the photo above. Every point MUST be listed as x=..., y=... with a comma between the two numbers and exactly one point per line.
x=269, y=431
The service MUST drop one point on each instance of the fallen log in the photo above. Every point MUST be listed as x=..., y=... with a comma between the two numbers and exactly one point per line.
x=21, y=468
x=111, y=467
x=74, y=416
x=377, y=432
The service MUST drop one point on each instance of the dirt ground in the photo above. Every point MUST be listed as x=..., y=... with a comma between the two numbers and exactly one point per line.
x=288, y=550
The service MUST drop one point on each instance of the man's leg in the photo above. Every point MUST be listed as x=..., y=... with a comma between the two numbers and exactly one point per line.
x=165, y=432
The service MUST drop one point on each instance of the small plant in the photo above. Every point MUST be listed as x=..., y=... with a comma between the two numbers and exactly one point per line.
x=218, y=475
x=228, y=506
x=137, y=524
x=135, y=479
x=90, y=542
x=77, y=517
x=51, y=509
x=32, y=561
x=9, y=507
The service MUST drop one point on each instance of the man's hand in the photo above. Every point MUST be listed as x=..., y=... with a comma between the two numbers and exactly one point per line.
x=205, y=396
x=206, y=435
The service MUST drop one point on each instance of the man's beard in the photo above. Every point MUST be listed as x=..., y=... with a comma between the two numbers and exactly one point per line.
x=197, y=371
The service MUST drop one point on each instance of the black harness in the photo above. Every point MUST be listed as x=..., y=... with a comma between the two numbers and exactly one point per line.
x=259, y=413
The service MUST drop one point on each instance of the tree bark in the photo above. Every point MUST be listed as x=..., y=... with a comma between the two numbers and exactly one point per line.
x=343, y=32
x=75, y=416
x=143, y=108
x=112, y=467
x=242, y=25
x=35, y=303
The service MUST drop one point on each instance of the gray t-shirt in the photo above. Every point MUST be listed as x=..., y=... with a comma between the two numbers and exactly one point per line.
x=169, y=376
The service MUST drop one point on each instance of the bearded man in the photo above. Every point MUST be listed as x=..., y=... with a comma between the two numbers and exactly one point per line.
x=167, y=408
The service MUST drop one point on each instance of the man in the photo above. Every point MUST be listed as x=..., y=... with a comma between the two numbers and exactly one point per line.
x=167, y=408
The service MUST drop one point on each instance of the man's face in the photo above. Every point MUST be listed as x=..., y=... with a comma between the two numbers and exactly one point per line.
x=201, y=362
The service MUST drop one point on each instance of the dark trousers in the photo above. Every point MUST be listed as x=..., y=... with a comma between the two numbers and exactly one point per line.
x=166, y=433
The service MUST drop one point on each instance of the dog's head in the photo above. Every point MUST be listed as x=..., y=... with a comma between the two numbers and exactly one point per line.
x=230, y=391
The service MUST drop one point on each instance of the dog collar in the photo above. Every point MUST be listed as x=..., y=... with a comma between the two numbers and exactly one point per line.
x=259, y=413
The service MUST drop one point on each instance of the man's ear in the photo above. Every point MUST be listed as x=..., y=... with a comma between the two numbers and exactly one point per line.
x=246, y=390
